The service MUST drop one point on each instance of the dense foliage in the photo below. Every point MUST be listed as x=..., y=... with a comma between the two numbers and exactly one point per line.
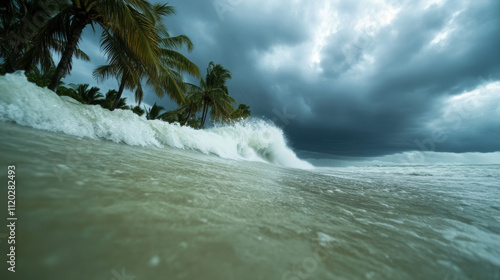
x=139, y=49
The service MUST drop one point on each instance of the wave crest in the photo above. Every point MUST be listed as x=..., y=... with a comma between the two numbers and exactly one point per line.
x=29, y=105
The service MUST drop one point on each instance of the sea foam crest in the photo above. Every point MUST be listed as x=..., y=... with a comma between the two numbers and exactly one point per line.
x=29, y=105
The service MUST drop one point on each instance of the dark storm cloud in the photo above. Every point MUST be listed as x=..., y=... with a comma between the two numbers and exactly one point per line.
x=357, y=79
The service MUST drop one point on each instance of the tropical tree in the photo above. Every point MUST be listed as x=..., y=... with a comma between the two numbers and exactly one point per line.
x=124, y=65
x=87, y=95
x=132, y=20
x=186, y=113
x=109, y=101
x=130, y=70
x=40, y=78
x=213, y=94
x=137, y=110
x=193, y=122
x=21, y=22
x=13, y=42
x=67, y=91
x=172, y=116
x=221, y=107
x=242, y=112
x=173, y=65
x=154, y=112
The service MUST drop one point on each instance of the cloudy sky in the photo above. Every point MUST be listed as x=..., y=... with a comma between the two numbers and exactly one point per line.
x=351, y=78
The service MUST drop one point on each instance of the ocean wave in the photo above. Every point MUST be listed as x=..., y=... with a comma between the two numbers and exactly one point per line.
x=29, y=105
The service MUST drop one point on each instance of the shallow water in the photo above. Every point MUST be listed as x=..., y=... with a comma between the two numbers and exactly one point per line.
x=94, y=209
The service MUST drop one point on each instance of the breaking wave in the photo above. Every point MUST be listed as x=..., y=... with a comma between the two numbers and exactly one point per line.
x=29, y=105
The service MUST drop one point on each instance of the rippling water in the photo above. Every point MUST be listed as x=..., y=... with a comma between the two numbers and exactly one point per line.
x=109, y=195
x=93, y=209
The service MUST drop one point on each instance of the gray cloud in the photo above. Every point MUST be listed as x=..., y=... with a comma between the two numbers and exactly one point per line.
x=359, y=79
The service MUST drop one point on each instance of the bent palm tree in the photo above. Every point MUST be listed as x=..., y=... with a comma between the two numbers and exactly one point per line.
x=21, y=23
x=189, y=109
x=124, y=65
x=213, y=94
x=130, y=70
x=132, y=20
x=173, y=64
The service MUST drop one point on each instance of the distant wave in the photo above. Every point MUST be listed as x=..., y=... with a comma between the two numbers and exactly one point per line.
x=420, y=174
x=412, y=158
x=29, y=105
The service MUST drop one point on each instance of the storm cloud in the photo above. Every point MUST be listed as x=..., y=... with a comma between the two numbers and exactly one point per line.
x=351, y=78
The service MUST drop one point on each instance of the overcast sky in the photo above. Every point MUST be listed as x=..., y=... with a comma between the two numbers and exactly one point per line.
x=351, y=78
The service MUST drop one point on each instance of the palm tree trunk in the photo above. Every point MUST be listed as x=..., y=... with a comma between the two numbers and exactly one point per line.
x=204, y=114
x=119, y=94
x=67, y=54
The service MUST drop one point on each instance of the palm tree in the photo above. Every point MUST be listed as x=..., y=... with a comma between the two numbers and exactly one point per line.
x=130, y=70
x=154, y=112
x=124, y=65
x=132, y=20
x=171, y=116
x=221, y=107
x=13, y=42
x=67, y=91
x=87, y=95
x=40, y=78
x=187, y=111
x=111, y=97
x=213, y=94
x=173, y=64
x=20, y=24
x=193, y=122
x=137, y=110
x=242, y=112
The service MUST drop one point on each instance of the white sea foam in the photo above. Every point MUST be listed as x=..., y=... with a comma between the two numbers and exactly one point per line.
x=27, y=104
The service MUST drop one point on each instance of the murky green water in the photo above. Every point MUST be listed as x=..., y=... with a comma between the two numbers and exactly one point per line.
x=92, y=209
